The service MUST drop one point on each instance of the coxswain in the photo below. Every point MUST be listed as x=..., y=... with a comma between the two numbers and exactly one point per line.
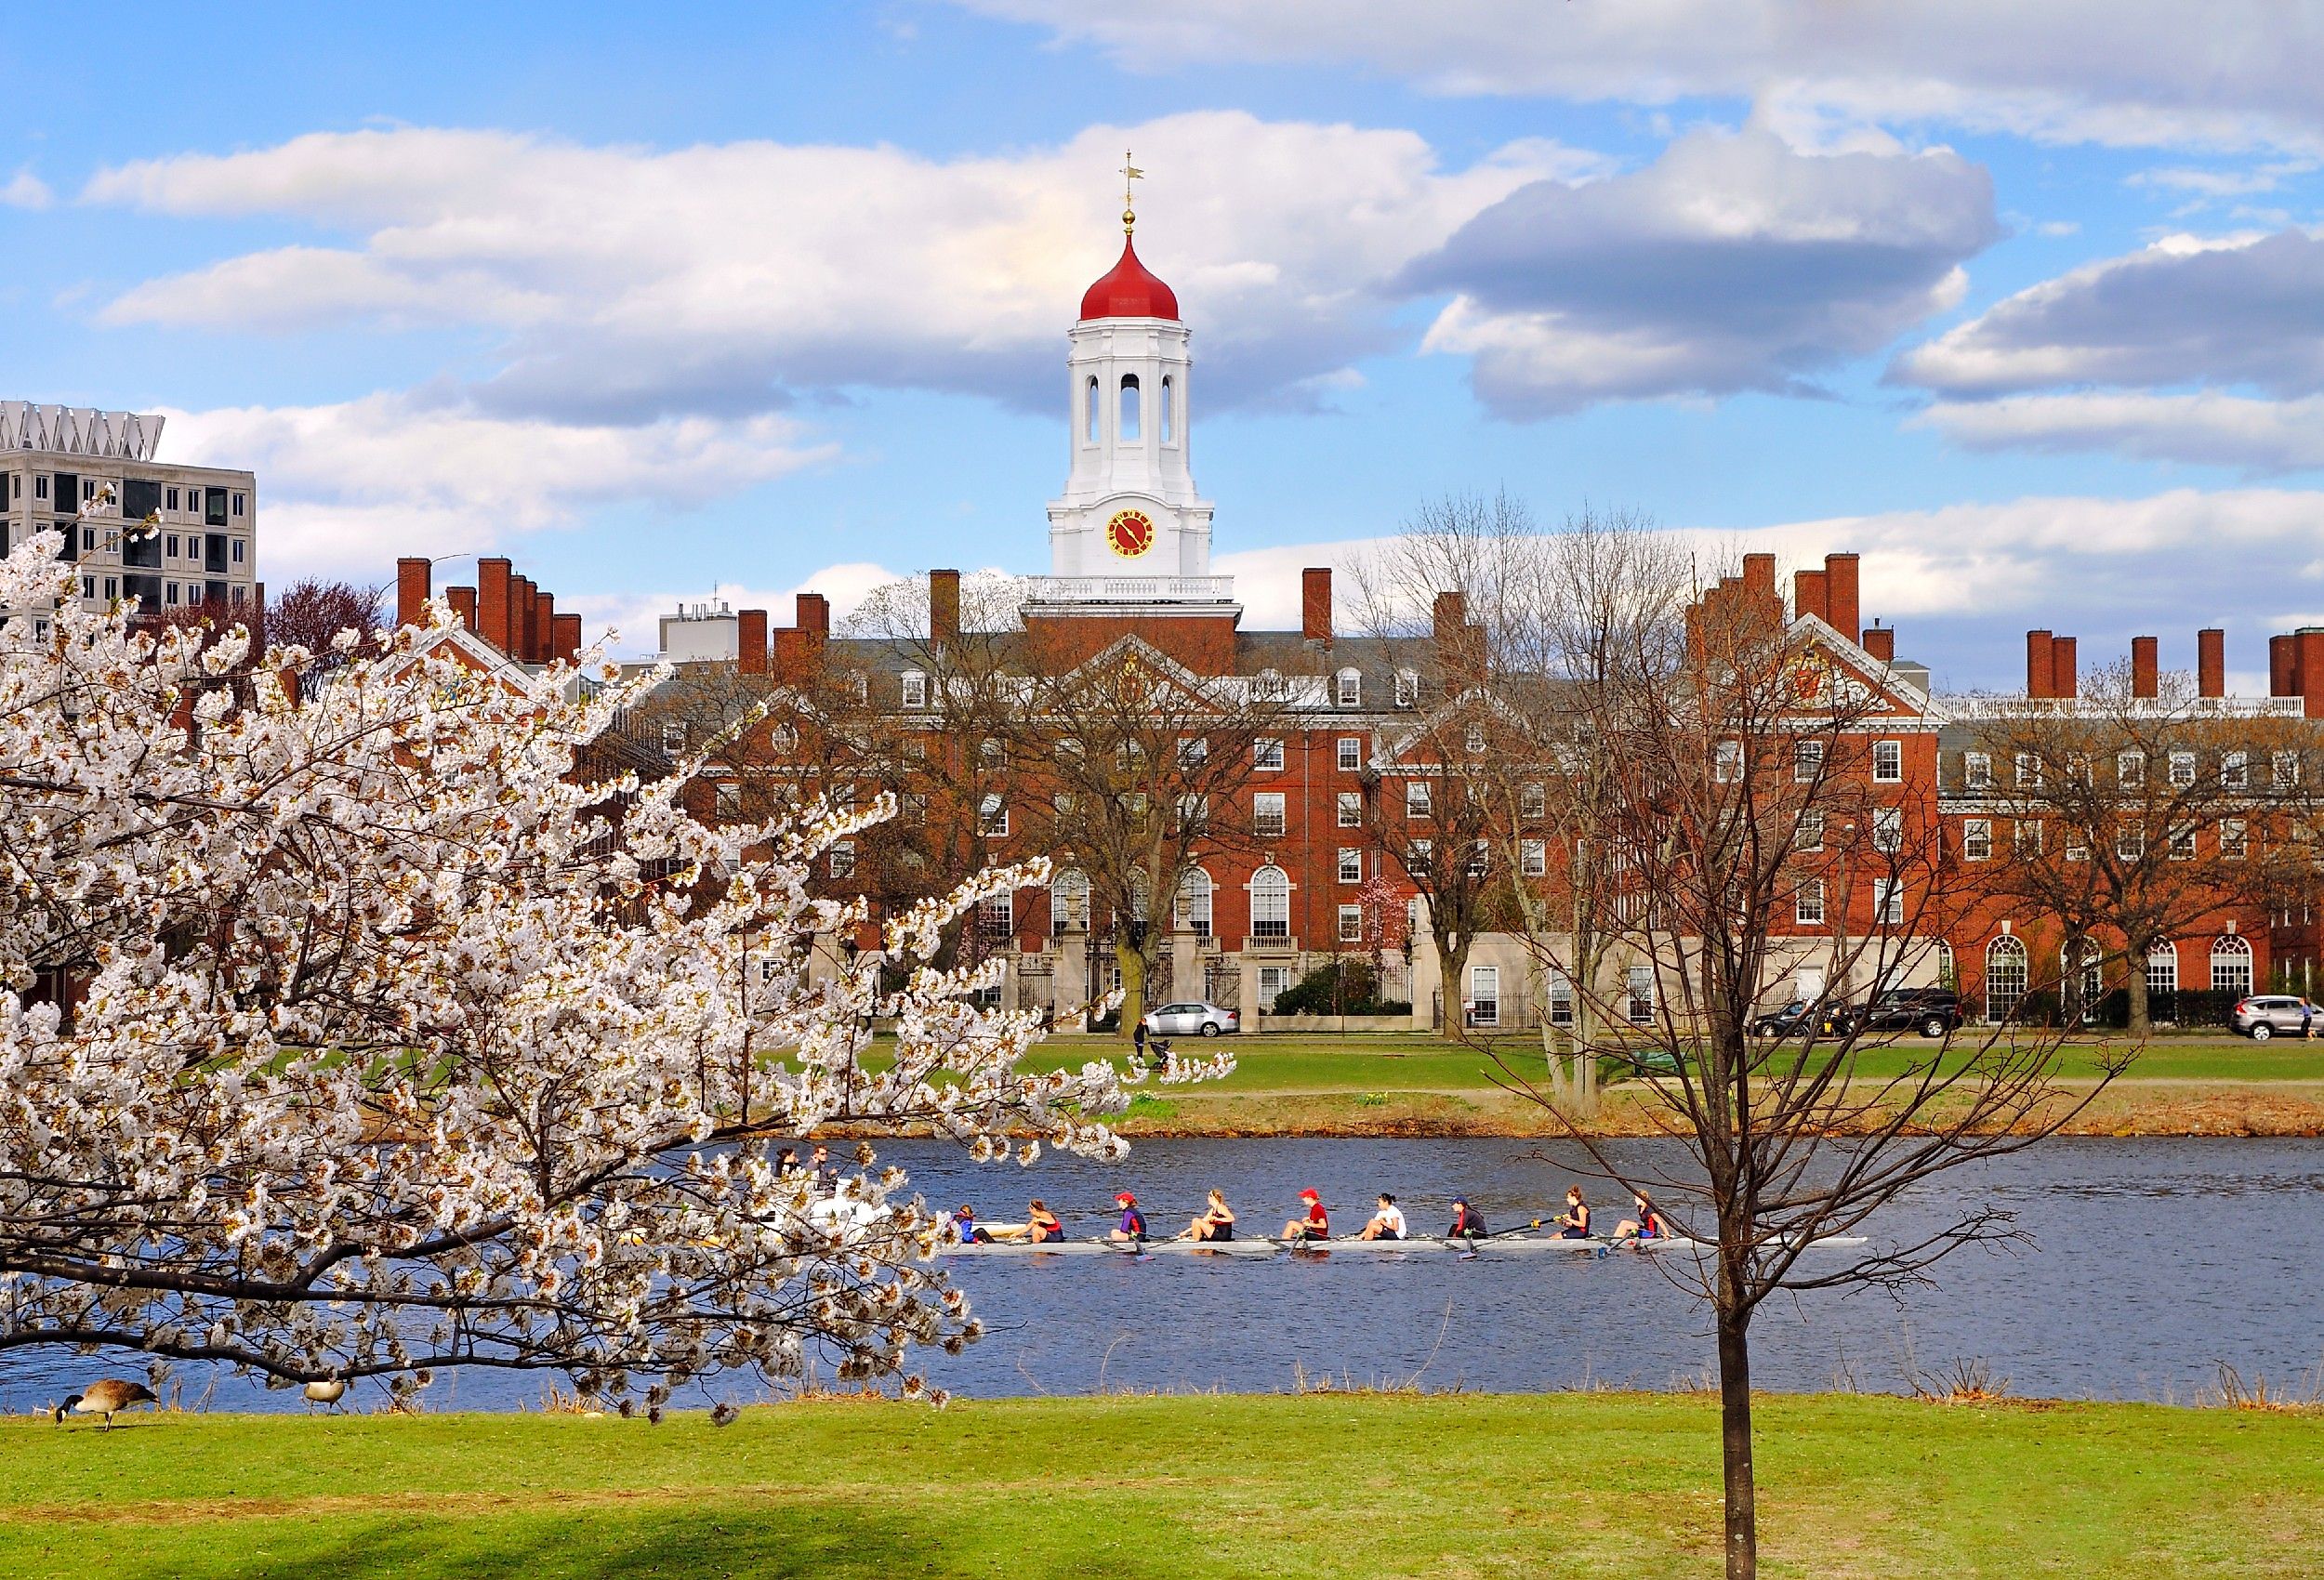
x=1315, y=1224
x=964, y=1223
x=1387, y=1224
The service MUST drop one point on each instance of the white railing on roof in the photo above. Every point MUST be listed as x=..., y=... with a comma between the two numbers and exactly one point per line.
x=1129, y=589
x=79, y=431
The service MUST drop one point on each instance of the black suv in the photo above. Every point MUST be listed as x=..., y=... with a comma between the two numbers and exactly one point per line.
x=1791, y=1020
x=1930, y=1011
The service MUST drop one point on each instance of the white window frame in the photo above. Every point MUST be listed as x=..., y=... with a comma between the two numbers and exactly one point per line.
x=2181, y=770
x=1351, y=924
x=2235, y=769
x=1976, y=840
x=2182, y=845
x=1270, y=892
x=2284, y=770
x=1888, y=902
x=2130, y=842
x=1533, y=857
x=1888, y=762
x=1348, y=688
x=1267, y=817
x=2028, y=770
x=1407, y=688
x=1726, y=762
x=1350, y=864
x=1807, y=761
x=1266, y=753
x=1807, y=904
x=1533, y=801
x=1350, y=753
x=1350, y=808
x=1977, y=770
x=1808, y=833
x=2235, y=839
x=1888, y=829
x=842, y=858
x=915, y=689
x=992, y=817
x=2130, y=770
x=1419, y=802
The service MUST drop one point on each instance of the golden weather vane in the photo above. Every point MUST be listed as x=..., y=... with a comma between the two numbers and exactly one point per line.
x=1129, y=173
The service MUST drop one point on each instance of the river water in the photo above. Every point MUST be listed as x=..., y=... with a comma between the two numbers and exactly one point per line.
x=2153, y=1262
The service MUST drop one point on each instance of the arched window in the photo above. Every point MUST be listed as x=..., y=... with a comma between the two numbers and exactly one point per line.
x=2162, y=980
x=2004, y=978
x=1089, y=414
x=1948, y=973
x=1168, y=413
x=2230, y=963
x=1192, y=911
x=1270, y=903
x=2093, y=986
x=1128, y=429
x=1069, y=901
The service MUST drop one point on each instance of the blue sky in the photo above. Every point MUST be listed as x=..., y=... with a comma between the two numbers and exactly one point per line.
x=2025, y=304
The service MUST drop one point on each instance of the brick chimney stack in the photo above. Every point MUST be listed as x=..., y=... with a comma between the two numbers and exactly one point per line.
x=492, y=600
x=814, y=615
x=2307, y=668
x=944, y=606
x=1807, y=594
x=1315, y=603
x=750, y=641
x=544, y=627
x=2210, y=662
x=463, y=601
x=413, y=579
x=2064, y=683
x=2038, y=645
x=2283, y=678
x=568, y=636
x=1881, y=642
x=1841, y=606
x=2145, y=668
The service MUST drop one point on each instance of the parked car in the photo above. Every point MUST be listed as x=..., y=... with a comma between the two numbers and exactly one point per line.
x=1792, y=1019
x=1930, y=1011
x=1192, y=1017
x=2264, y=1016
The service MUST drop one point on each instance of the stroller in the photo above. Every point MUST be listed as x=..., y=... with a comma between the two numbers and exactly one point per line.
x=1157, y=1054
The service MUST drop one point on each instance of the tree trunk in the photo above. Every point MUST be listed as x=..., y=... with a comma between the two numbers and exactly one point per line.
x=1451, y=969
x=1133, y=960
x=2135, y=987
x=1735, y=1434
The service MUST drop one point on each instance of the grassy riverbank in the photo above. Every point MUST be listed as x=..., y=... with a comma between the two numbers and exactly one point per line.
x=1466, y=1486
x=1397, y=1085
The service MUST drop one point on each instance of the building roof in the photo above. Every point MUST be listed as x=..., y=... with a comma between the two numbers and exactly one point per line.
x=1129, y=290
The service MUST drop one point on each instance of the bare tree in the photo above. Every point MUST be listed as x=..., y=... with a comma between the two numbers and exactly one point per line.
x=1764, y=824
x=2132, y=819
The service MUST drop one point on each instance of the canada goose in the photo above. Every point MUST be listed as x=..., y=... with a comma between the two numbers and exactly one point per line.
x=104, y=1396
x=326, y=1392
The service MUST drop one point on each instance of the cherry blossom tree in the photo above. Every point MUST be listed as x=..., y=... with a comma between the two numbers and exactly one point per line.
x=349, y=1030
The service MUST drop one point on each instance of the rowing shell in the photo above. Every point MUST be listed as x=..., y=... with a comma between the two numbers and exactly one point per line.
x=1116, y=1248
x=1491, y=1244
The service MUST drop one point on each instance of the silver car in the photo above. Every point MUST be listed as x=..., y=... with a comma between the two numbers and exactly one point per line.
x=2266, y=1014
x=1192, y=1017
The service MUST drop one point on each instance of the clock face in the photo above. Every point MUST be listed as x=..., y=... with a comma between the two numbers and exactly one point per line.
x=1130, y=534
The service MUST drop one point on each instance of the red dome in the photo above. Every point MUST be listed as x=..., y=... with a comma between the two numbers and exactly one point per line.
x=1129, y=292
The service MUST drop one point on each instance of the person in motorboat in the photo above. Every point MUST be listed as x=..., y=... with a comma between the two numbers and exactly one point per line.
x=1573, y=1222
x=971, y=1232
x=787, y=1160
x=1465, y=1224
x=1387, y=1224
x=1133, y=1227
x=1315, y=1224
x=1647, y=1225
x=825, y=1172
x=1217, y=1222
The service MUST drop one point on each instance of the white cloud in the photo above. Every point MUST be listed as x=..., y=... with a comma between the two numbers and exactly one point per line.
x=631, y=283
x=2204, y=429
x=2128, y=72
x=345, y=487
x=2237, y=309
x=1733, y=262
x=26, y=191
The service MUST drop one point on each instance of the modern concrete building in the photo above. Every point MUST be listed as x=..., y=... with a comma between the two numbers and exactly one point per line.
x=172, y=536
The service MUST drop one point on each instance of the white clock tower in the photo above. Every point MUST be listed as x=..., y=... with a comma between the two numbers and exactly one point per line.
x=1130, y=526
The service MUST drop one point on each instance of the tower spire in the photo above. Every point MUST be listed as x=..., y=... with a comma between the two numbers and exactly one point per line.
x=1129, y=173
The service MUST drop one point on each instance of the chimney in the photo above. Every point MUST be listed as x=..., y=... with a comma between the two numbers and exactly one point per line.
x=521, y=619
x=944, y=606
x=2038, y=663
x=2210, y=662
x=413, y=580
x=1840, y=604
x=1452, y=613
x=2308, y=667
x=464, y=605
x=1807, y=593
x=2145, y=673
x=2283, y=675
x=814, y=615
x=568, y=636
x=1315, y=603
x=1881, y=642
x=544, y=627
x=2064, y=683
x=750, y=641
x=492, y=600
x=1759, y=589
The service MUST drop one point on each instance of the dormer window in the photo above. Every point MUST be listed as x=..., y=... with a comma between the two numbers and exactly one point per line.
x=1407, y=688
x=1268, y=685
x=1349, y=688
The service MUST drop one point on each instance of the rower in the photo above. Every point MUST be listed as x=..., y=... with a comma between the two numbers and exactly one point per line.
x=1133, y=1227
x=1387, y=1224
x=1216, y=1223
x=1647, y=1225
x=1573, y=1222
x=964, y=1223
x=1316, y=1225
x=1465, y=1224
x=1042, y=1226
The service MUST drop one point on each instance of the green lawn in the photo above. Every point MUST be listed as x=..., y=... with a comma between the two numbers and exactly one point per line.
x=1450, y=1486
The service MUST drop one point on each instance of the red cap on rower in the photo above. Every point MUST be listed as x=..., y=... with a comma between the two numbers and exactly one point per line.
x=1309, y=1195
x=1126, y=1196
